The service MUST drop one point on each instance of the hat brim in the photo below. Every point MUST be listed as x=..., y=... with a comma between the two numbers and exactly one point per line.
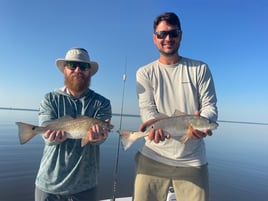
x=93, y=65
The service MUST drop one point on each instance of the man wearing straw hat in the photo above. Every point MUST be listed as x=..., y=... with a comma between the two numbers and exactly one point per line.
x=67, y=170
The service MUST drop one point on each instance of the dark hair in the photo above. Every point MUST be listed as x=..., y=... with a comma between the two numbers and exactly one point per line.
x=170, y=18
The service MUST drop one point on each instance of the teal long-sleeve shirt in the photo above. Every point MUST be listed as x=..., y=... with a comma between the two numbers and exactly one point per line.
x=68, y=168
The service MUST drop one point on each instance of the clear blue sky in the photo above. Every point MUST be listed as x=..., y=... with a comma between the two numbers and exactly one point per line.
x=229, y=35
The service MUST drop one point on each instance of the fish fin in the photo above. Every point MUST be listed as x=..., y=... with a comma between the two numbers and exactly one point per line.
x=110, y=127
x=175, y=114
x=128, y=138
x=26, y=132
x=55, y=122
x=84, y=141
x=161, y=116
x=178, y=113
x=58, y=121
x=187, y=136
x=66, y=117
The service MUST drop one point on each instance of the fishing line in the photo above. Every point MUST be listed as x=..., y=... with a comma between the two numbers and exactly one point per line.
x=118, y=144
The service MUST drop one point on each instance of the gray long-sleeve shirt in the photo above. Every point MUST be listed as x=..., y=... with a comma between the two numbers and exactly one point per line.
x=187, y=87
x=68, y=168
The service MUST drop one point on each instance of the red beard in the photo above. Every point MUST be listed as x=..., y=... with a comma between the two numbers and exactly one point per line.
x=77, y=82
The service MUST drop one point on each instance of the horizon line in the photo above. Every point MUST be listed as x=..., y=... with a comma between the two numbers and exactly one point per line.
x=137, y=115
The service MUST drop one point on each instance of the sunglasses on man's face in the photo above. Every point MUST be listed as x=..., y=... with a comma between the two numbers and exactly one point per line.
x=163, y=34
x=72, y=65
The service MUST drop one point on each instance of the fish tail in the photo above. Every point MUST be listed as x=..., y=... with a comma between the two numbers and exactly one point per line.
x=126, y=138
x=187, y=136
x=26, y=132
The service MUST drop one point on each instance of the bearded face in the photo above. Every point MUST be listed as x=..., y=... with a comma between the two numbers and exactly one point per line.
x=77, y=82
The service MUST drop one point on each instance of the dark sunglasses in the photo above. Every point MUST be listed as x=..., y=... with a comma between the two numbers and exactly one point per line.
x=163, y=34
x=72, y=65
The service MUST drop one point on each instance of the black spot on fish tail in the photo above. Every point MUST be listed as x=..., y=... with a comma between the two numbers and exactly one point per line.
x=33, y=128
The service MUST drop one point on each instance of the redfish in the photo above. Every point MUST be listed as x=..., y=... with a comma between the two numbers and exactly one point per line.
x=75, y=128
x=176, y=126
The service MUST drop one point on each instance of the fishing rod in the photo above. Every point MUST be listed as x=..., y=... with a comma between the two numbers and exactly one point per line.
x=118, y=144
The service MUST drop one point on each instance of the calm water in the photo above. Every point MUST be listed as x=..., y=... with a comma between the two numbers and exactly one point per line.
x=237, y=154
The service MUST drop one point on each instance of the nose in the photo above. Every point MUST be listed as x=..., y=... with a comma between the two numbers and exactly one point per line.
x=77, y=68
x=168, y=37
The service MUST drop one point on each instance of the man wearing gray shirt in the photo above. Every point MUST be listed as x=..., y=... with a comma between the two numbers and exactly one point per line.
x=173, y=83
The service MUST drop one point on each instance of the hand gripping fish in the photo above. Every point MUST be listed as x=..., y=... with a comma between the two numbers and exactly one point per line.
x=75, y=128
x=176, y=126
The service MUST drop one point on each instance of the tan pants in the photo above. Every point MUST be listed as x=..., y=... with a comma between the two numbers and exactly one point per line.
x=153, y=180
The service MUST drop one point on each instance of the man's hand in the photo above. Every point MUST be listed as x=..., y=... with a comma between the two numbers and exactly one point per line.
x=197, y=134
x=97, y=133
x=156, y=135
x=55, y=136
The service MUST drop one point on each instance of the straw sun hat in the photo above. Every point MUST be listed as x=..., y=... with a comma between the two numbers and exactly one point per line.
x=78, y=55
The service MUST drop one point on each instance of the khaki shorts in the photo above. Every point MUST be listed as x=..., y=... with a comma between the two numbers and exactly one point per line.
x=153, y=180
